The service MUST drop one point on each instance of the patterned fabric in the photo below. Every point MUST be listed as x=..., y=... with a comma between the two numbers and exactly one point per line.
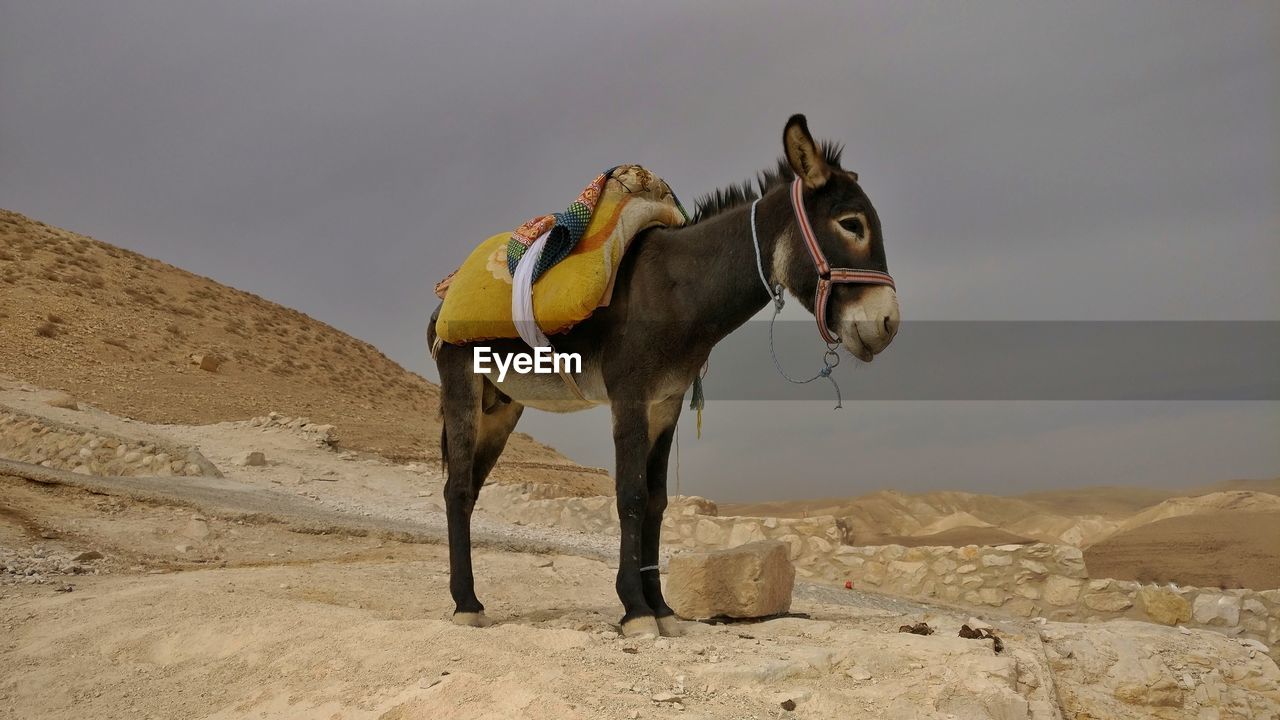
x=565, y=228
x=576, y=274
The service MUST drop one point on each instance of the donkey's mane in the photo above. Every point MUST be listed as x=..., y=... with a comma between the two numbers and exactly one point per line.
x=748, y=190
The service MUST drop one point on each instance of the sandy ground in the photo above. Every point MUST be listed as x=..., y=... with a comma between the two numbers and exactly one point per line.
x=316, y=587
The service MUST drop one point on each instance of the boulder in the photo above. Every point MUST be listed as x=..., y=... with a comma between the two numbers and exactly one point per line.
x=752, y=580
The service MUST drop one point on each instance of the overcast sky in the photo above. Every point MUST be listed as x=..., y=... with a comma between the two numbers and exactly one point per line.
x=1085, y=161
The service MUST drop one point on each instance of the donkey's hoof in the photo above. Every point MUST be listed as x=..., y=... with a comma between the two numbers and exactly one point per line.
x=641, y=627
x=670, y=626
x=471, y=619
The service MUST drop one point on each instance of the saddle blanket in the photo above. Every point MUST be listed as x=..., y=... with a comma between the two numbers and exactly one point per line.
x=575, y=259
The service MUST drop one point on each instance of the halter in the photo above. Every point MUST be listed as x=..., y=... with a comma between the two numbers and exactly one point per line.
x=827, y=275
x=826, y=278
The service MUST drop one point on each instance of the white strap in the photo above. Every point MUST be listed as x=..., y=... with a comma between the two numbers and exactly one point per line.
x=522, y=295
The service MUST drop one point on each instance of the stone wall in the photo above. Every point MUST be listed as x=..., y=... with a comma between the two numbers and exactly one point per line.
x=1048, y=581
x=1038, y=580
x=63, y=447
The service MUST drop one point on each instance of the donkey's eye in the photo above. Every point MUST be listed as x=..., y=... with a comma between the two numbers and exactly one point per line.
x=853, y=225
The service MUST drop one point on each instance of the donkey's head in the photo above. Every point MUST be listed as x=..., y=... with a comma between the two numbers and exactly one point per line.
x=845, y=228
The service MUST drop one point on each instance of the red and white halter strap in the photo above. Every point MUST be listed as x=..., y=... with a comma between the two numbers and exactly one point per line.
x=827, y=275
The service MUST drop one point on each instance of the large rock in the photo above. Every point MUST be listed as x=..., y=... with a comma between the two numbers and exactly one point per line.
x=1129, y=670
x=747, y=581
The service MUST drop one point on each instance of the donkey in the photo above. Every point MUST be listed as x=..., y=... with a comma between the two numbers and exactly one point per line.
x=678, y=292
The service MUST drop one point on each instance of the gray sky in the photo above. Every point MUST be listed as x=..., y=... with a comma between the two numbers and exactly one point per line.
x=1091, y=161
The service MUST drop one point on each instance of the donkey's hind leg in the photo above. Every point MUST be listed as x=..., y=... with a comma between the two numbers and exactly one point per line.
x=460, y=403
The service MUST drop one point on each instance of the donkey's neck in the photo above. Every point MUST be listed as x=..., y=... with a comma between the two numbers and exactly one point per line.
x=715, y=267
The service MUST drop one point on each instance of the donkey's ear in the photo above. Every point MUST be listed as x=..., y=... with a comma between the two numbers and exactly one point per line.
x=803, y=154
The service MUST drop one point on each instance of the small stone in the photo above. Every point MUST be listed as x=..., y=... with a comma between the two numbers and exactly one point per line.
x=665, y=697
x=88, y=555
x=252, y=459
x=207, y=362
x=1210, y=609
x=1107, y=601
x=857, y=673
x=63, y=401
x=788, y=705
x=1164, y=606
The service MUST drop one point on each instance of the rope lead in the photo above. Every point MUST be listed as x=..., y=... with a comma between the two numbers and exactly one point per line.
x=830, y=359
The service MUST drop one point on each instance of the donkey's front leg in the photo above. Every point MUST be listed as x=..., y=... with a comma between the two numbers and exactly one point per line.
x=662, y=429
x=631, y=447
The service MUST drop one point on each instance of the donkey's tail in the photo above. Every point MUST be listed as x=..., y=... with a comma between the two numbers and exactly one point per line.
x=433, y=343
x=444, y=449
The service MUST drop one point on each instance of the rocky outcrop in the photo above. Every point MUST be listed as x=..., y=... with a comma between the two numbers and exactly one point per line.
x=62, y=447
x=748, y=581
x=1130, y=670
x=322, y=435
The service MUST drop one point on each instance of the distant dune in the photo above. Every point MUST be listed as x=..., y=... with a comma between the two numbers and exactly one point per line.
x=1229, y=549
x=958, y=537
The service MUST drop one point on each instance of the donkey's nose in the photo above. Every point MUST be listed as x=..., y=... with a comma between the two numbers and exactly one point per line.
x=891, y=322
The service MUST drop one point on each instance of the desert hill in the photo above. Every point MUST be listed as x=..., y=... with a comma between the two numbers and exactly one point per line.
x=119, y=330
x=1213, y=548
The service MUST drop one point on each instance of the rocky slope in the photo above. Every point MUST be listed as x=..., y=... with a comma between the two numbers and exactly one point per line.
x=127, y=333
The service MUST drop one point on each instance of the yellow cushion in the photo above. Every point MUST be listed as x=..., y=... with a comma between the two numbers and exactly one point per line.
x=477, y=304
